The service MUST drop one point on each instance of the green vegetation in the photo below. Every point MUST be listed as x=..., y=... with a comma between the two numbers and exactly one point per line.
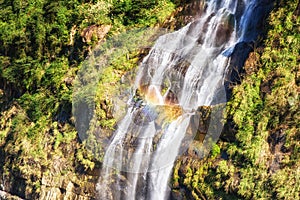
x=42, y=47
x=263, y=161
x=43, y=44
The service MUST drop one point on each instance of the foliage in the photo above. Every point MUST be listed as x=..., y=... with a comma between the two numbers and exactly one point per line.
x=263, y=161
x=140, y=12
x=42, y=46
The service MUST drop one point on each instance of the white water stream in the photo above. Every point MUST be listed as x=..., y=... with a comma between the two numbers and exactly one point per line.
x=184, y=70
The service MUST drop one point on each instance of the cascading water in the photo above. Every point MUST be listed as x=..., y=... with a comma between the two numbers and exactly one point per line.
x=184, y=70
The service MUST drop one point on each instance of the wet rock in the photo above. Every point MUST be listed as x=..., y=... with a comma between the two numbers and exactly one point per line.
x=239, y=10
x=171, y=97
x=224, y=30
x=238, y=58
x=200, y=122
x=204, y=29
x=185, y=14
x=182, y=67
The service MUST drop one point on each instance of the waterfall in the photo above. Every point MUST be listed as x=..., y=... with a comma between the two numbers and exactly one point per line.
x=183, y=71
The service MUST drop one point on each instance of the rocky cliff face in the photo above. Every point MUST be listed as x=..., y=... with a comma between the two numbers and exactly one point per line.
x=58, y=169
x=256, y=157
x=185, y=14
x=61, y=170
x=53, y=176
